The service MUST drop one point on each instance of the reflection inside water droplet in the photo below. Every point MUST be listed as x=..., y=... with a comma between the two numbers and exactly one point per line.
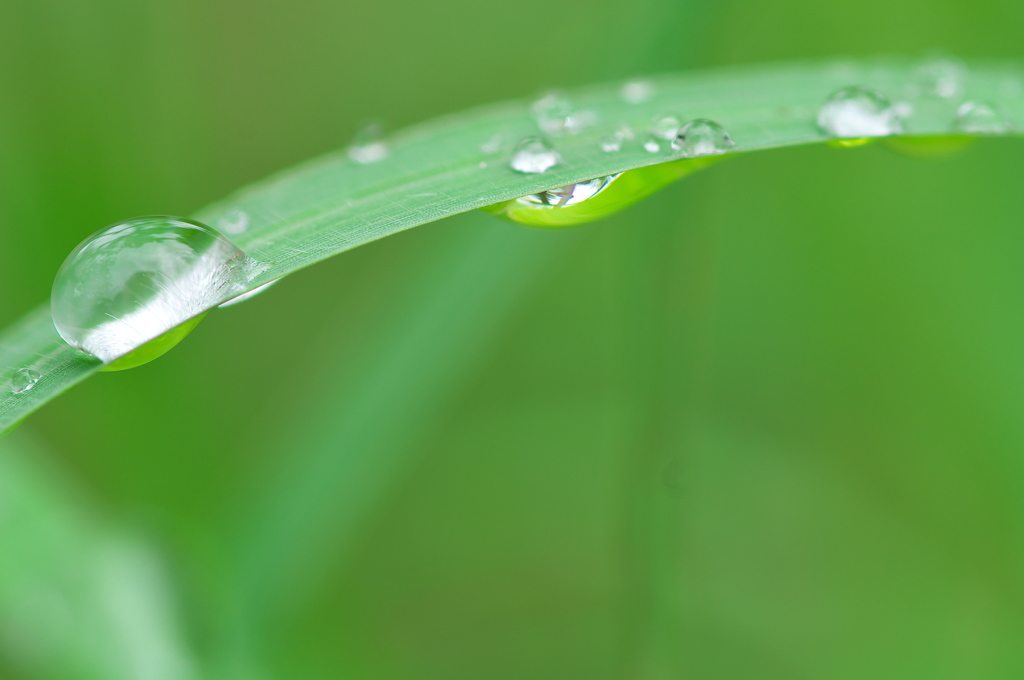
x=571, y=194
x=24, y=379
x=857, y=112
x=141, y=280
x=534, y=155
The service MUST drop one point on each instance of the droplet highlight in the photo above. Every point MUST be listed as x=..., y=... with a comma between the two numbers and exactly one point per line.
x=702, y=137
x=857, y=112
x=24, y=379
x=534, y=155
x=130, y=292
x=980, y=119
x=368, y=145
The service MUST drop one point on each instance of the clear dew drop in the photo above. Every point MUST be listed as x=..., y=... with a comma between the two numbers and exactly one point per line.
x=235, y=222
x=534, y=155
x=638, y=91
x=571, y=194
x=24, y=379
x=368, y=145
x=652, y=144
x=553, y=114
x=702, y=137
x=611, y=143
x=665, y=127
x=145, y=279
x=857, y=112
x=940, y=76
x=978, y=118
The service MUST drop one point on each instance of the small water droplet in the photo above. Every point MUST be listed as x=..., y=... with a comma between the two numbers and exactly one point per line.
x=248, y=295
x=638, y=91
x=611, y=143
x=144, y=279
x=625, y=132
x=978, y=118
x=534, y=155
x=702, y=137
x=368, y=145
x=482, y=165
x=24, y=379
x=652, y=144
x=665, y=127
x=235, y=222
x=857, y=112
x=941, y=76
x=493, y=145
x=553, y=113
x=571, y=194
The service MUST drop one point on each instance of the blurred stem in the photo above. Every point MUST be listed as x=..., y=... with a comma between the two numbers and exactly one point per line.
x=661, y=281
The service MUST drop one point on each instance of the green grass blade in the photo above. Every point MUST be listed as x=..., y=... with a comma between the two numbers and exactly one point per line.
x=330, y=205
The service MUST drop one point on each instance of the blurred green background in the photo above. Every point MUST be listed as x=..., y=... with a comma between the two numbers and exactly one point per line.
x=767, y=424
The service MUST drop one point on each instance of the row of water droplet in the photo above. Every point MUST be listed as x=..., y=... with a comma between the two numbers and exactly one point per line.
x=144, y=283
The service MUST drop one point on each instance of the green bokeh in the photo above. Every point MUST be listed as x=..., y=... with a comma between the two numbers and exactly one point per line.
x=765, y=424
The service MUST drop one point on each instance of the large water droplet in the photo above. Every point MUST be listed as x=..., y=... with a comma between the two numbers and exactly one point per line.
x=368, y=145
x=130, y=292
x=24, y=379
x=702, y=137
x=534, y=155
x=638, y=91
x=857, y=112
x=940, y=76
x=978, y=118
